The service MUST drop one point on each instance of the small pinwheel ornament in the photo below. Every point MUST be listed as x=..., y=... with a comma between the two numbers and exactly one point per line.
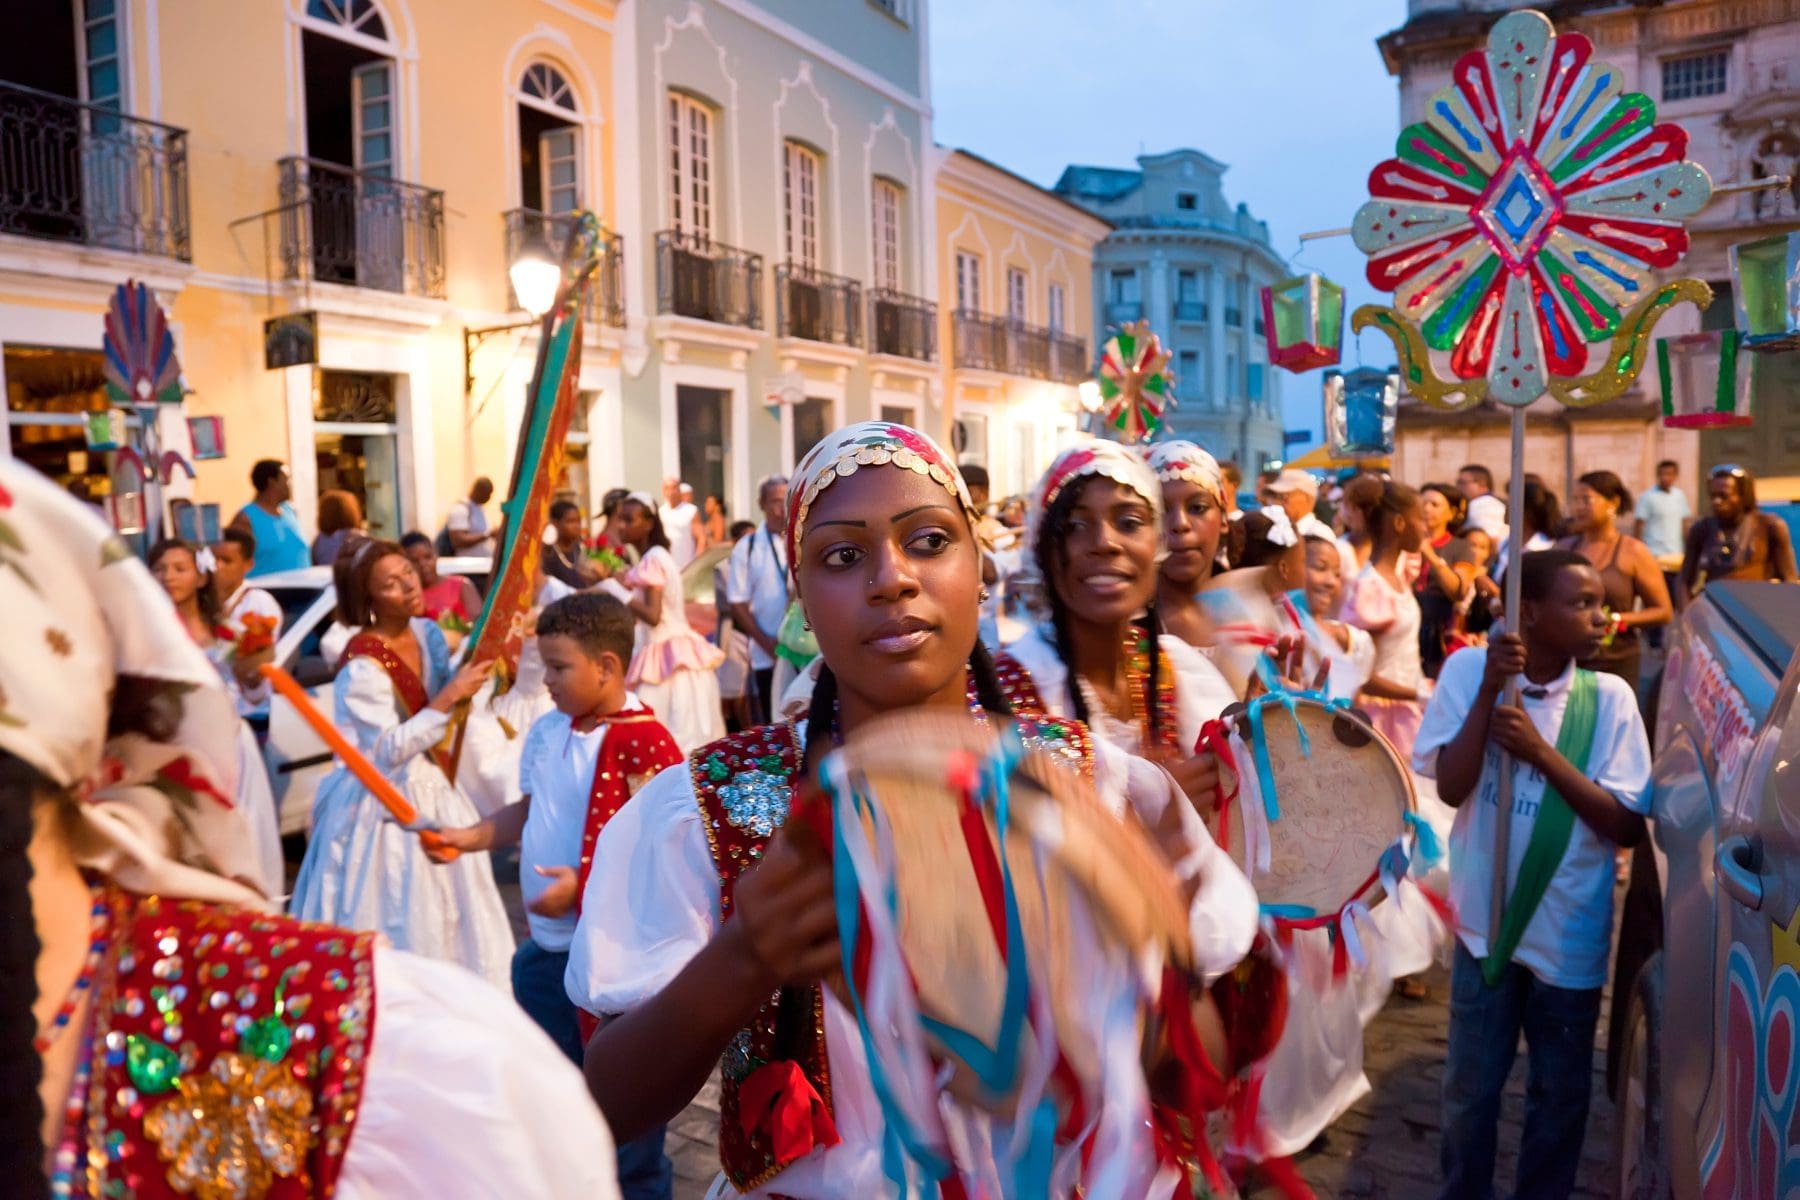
x=141, y=367
x=1136, y=386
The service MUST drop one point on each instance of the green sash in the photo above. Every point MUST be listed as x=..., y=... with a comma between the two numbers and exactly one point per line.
x=1550, y=833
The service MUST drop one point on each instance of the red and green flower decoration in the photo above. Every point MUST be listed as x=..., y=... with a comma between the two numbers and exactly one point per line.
x=1136, y=385
x=1520, y=224
x=601, y=550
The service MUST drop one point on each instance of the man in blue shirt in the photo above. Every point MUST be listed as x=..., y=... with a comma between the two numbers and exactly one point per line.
x=272, y=521
x=1663, y=513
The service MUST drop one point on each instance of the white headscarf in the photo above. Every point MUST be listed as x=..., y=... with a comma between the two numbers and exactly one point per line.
x=89, y=631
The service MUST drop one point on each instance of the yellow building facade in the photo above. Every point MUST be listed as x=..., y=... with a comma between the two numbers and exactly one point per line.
x=373, y=162
x=1015, y=281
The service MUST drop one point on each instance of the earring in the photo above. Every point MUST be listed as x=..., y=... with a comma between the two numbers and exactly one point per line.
x=806, y=625
x=984, y=594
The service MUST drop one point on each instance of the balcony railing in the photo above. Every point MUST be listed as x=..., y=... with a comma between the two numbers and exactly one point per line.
x=73, y=172
x=979, y=342
x=1190, y=310
x=707, y=280
x=340, y=225
x=606, y=299
x=817, y=306
x=1027, y=350
x=1118, y=312
x=1068, y=358
x=903, y=325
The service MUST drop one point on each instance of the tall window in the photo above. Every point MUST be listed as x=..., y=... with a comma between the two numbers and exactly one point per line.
x=1694, y=75
x=690, y=165
x=549, y=141
x=887, y=204
x=1122, y=287
x=968, y=281
x=1057, y=299
x=1234, y=386
x=103, y=79
x=1187, y=375
x=1017, y=295
x=800, y=204
x=1187, y=286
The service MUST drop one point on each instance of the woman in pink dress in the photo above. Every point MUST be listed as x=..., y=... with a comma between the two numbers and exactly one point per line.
x=1381, y=600
x=673, y=670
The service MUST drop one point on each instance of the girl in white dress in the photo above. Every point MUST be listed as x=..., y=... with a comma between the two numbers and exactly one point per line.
x=673, y=670
x=1344, y=653
x=394, y=697
x=320, y=1062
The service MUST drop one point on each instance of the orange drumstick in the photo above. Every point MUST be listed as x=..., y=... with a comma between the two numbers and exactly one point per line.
x=362, y=768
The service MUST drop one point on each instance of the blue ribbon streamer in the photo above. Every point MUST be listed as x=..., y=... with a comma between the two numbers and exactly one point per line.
x=899, y=1140
x=1431, y=850
x=1290, y=912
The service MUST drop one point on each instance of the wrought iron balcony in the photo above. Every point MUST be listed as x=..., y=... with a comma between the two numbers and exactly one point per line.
x=340, y=225
x=1027, y=350
x=708, y=280
x=1068, y=358
x=903, y=325
x=978, y=341
x=606, y=299
x=73, y=172
x=817, y=306
x=1190, y=310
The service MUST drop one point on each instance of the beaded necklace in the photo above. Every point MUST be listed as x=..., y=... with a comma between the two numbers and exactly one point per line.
x=97, y=922
x=1138, y=648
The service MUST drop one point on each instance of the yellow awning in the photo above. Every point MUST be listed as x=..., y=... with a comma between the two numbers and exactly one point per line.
x=1319, y=459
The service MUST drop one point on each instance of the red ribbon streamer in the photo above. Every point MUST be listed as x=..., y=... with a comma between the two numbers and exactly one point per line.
x=778, y=1100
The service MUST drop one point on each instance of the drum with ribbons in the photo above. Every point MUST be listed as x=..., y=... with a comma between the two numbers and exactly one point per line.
x=1324, y=820
x=1016, y=957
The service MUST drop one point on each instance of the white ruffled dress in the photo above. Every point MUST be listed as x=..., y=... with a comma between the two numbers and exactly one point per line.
x=363, y=870
x=673, y=669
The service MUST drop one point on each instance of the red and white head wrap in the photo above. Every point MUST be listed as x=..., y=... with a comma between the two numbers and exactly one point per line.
x=1188, y=462
x=867, y=444
x=1093, y=456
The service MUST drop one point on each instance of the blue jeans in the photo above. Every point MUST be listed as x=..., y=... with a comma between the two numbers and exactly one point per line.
x=1485, y=1023
x=645, y=1172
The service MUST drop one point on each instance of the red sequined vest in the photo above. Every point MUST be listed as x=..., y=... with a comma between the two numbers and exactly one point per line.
x=226, y=1055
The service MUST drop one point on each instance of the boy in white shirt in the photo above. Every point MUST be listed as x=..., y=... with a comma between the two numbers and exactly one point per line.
x=579, y=766
x=1581, y=780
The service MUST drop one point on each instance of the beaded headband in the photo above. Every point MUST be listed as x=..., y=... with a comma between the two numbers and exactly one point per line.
x=1188, y=462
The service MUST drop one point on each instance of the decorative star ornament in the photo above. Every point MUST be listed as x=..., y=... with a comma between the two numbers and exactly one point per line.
x=1136, y=386
x=1520, y=225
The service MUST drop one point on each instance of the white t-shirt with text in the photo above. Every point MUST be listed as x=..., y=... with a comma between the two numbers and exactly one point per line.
x=1568, y=941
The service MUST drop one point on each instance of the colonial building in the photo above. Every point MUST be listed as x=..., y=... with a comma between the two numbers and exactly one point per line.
x=1728, y=71
x=1184, y=258
x=373, y=162
x=779, y=166
x=1015, y=268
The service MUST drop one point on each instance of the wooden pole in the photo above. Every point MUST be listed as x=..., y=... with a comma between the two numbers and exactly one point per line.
x=1515, y=555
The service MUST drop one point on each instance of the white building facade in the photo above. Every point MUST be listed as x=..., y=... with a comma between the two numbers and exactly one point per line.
x=1184, y=258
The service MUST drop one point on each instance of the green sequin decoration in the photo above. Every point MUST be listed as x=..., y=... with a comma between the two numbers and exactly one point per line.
x=716, y=770
x=771, y=764
x=153, y=1067
x=268, y=1039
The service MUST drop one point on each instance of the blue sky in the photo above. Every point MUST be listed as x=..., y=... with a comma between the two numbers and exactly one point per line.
x=1291, y=94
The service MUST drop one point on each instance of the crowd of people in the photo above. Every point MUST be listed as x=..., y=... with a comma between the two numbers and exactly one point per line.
x=648, y=754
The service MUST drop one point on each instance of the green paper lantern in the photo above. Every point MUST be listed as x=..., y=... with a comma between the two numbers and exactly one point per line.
x=1303, y=322
x=1765, y=281
x=1707, y=380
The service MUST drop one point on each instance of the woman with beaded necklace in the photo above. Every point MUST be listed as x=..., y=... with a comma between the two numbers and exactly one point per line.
x=164, y=1030
x=1095, y=536
x=1193, y=496
x=704, y=932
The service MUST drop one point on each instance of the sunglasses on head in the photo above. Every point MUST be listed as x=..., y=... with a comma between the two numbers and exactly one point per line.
x=1724, y=469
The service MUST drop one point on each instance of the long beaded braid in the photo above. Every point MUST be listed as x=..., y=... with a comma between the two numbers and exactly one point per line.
x=21, y=1117
x=1153, y=702
x=1049, y=553
x=987, y=682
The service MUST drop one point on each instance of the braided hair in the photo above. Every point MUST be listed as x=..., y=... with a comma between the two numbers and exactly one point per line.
x=1051, y=553
x=21, y=1069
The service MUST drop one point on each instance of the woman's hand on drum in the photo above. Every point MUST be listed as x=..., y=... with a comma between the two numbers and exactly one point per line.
x=786, y=923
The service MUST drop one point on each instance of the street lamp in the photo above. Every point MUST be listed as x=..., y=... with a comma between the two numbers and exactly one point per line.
x=1088, y=393
x=536, y=279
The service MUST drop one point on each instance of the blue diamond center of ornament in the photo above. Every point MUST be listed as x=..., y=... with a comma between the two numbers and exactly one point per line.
x=1519, y=210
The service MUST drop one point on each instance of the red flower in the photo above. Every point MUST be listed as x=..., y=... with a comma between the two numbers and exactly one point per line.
x=914, y=442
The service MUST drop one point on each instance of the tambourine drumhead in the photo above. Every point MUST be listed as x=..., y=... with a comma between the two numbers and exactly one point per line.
x=1341, y=805
x=1100, y=877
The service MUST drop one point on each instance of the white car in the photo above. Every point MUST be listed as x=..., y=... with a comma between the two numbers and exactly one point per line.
x=296, y=756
